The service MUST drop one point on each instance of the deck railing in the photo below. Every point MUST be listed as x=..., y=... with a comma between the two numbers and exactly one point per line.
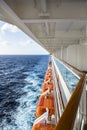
x=73, y=116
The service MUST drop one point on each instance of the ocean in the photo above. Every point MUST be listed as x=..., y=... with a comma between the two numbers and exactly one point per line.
x=21, y=79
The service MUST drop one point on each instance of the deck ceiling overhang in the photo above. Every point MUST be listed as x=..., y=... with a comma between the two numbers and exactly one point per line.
x=51, y=23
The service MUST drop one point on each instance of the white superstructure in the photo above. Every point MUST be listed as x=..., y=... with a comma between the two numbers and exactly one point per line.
x=60, y=26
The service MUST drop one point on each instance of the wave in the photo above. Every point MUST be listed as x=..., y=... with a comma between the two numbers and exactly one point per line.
x=20, y=87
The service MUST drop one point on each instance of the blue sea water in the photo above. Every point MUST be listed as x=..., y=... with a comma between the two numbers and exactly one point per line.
x=21, y=78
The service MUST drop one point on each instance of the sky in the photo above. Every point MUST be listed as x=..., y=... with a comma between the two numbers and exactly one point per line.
x=14, y=41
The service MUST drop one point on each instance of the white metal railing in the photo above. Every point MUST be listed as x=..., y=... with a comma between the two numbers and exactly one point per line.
x=64, y=89
x=79, y=118
x=59, y=106
x=56, y=92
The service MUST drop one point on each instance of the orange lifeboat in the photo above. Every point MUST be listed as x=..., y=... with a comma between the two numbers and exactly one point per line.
x=46, y=104
x=47, y=86
x=40, y=126
x=45, y=101
x=47, y=77
x=49, y=71
x=48, y=74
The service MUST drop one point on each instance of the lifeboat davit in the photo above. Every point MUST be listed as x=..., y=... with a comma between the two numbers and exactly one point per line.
x=45, y=101
x=47, y=86
x=41, y=126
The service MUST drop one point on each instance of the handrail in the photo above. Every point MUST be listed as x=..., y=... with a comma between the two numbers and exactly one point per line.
x=67, y=119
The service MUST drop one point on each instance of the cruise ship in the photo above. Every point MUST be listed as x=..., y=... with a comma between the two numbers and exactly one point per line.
x=59, y=26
